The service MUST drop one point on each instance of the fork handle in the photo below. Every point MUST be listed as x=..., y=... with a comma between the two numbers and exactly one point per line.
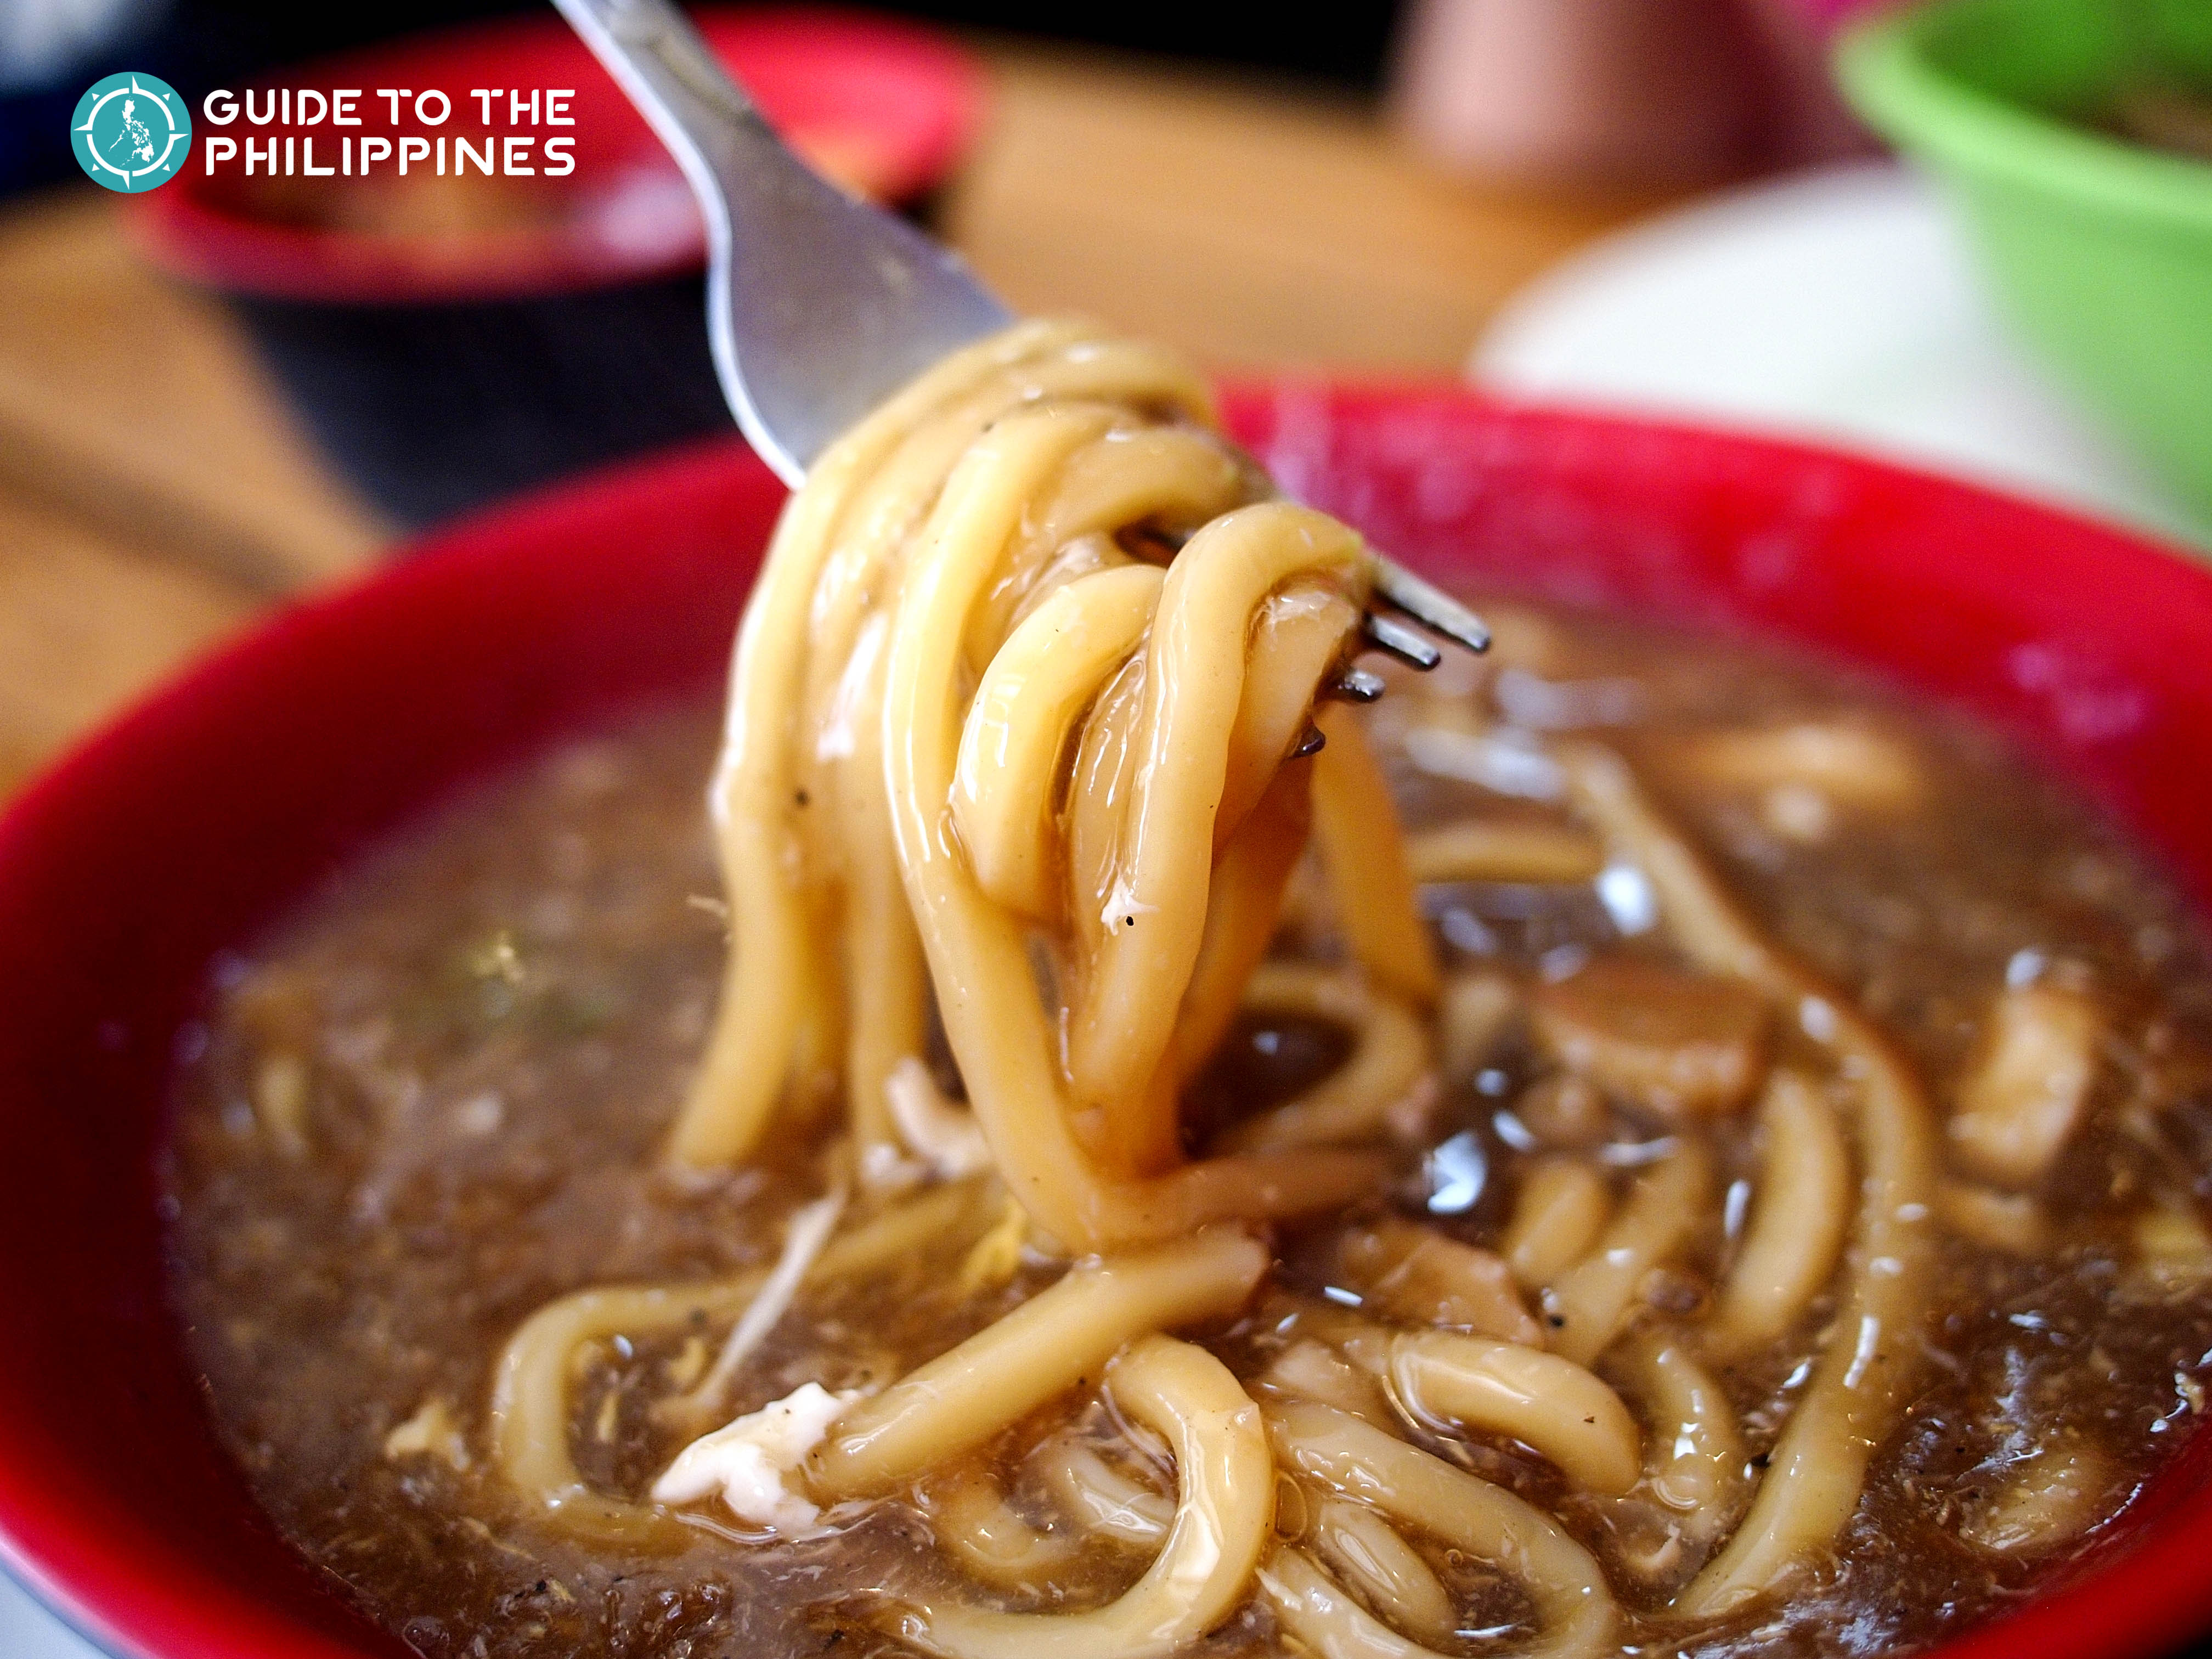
x=669, y=72
x=837, y=304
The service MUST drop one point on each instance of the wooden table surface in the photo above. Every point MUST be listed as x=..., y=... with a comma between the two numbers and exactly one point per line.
x=155, y=493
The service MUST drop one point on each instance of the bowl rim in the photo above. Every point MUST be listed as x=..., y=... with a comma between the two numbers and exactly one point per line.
x=2135, y=1599
x=1889, y=72
x=196, y=235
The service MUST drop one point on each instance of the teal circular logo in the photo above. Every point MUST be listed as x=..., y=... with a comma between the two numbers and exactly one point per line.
x=131, y=132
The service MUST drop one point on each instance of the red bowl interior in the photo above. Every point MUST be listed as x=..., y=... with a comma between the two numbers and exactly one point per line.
x=899, y=104
x=185, y=825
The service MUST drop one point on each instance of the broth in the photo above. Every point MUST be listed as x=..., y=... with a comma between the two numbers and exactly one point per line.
x=433, y=1098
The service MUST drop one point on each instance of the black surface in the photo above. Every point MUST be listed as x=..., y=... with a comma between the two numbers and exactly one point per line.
x=434, y=409
x=1348, y=44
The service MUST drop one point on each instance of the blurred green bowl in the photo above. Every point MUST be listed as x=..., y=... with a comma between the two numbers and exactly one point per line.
x=2099, y=250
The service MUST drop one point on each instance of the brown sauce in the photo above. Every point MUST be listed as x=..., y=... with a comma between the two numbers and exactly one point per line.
x=2167, y=115
x=430, y=1100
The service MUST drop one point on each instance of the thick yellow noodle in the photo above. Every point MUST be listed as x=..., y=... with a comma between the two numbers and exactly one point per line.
x=1203, y=1567
x=1346, y=1456
x=1051, y=1343
x=1022, y=739
x=1859, y=1383
x=951, y=609
x=531, y=1386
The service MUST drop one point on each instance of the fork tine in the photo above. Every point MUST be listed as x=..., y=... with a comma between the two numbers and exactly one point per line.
x=1429, y=606
x=1408, y=645
x=1358, y=685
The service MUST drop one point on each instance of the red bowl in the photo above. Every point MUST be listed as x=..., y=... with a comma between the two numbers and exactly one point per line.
x=187, y=823
x=896, y=104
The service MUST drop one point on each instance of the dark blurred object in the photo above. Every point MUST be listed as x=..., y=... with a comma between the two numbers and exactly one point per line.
x=450, y=341
x=1350, y=44
x=1618, y=92
x=50, y=51
x=1805, y=119
x=199, y=44
x=434, y=409
x=1346, y=44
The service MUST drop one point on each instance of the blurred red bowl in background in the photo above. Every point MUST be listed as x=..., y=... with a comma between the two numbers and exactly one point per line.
x=189, y=822
x=881, y=105
x=450, y=341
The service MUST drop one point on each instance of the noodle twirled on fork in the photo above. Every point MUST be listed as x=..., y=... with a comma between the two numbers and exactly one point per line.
x=983, y=728
x=1020, y=738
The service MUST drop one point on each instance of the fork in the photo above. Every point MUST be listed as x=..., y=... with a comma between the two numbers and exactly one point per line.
x=836, y=304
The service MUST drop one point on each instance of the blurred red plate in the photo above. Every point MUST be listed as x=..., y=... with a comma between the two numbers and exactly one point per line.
x=184, y=827
x=883, y=106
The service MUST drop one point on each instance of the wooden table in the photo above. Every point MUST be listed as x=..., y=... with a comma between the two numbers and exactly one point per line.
x=155, y=493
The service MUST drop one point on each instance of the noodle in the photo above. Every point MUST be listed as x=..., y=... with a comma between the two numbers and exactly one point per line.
x=1589, y=1302
x=1797, y=1224
x=1356, y=827
x=1212, y=1547
x=1540, y=1398
x=1386, y=1570
x=1143, y=938
x=1049, y=1345
x=1813, y=1481
x=970, y=1517
x=1349, y=1457
x=1023, y=747
x=1090, y=1489
x=1695, y=1456
x=1327, y=1619
x=1474, y=850
x=1096, y=1504
x=531, y=1386
x=1558, y=1215
x=1386, y=1083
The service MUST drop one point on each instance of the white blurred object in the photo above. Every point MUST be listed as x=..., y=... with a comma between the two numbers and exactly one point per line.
x=27, y=1631
x=1836, y=306
x=41, y=39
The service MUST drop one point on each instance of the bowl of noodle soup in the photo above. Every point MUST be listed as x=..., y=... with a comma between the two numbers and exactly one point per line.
x=138, y=878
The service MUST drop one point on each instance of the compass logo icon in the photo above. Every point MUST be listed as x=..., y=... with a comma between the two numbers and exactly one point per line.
x=130, y=132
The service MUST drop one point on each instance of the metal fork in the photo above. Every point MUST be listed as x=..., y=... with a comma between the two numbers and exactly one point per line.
x=835, y=304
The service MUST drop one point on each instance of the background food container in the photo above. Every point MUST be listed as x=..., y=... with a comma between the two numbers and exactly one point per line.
x=2098, y=249
x=450, y=341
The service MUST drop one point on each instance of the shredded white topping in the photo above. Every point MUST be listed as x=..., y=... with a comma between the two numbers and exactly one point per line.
x=942, y=1135
x=747, y=1461
x=811, y=1227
